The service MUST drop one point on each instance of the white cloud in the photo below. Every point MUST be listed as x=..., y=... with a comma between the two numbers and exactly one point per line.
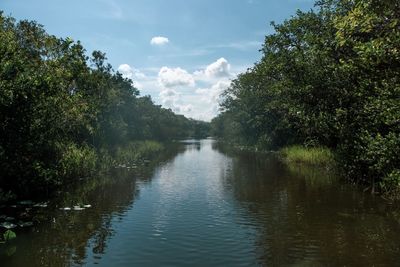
x=174, y=77
x=186, y=108
x=214, y=72
x=131, y=73
x=219, y=68
x=195, y=95
x=170, y=98
x=159, y=40
x=210, y=98
x=201, y=103
x=211, y=95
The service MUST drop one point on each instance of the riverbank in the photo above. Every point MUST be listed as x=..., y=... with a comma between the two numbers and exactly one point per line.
x=211, y=193
x=326, y=160
x=137, y=160
x=79, y=164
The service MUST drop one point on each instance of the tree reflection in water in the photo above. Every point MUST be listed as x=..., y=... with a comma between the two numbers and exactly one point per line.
x=66, y=238
x=306, y=217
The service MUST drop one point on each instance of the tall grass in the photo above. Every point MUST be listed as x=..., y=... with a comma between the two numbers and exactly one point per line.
x=77, y=161
x=137, y=151
x=319, y=156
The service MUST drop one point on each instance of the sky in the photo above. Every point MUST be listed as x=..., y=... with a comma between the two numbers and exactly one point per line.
x=183, y=53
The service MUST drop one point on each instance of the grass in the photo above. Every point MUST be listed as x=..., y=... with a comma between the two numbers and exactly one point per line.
x=138, y=151
x=318, y=156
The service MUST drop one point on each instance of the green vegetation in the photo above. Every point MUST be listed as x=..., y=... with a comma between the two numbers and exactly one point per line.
x=317, y=156
x=314, y=176
x=137, y=151
x=63, y=114
x=329, y=78
x=7, y=236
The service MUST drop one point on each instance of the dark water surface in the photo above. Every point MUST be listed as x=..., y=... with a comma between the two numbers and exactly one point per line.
x=204, y=205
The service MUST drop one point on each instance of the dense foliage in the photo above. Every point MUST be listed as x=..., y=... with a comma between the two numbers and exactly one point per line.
x=328, y=77
x=62, y=113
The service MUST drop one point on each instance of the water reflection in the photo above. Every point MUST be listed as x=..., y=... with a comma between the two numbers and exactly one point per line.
x=206, y=205
x=305, y=217
x=67, y=238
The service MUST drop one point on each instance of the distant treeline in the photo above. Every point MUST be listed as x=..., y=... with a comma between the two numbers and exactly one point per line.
x=62, y=113
x=328, y=77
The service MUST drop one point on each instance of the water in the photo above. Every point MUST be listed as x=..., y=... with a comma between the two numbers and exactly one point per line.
x=204, y=205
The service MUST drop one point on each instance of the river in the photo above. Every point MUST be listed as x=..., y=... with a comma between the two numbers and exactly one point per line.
x=205, y=205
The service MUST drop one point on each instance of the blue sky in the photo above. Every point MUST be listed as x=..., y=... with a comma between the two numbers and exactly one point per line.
x=181, y=52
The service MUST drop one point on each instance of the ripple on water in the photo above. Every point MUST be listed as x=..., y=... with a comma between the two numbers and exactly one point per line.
x=210, y=207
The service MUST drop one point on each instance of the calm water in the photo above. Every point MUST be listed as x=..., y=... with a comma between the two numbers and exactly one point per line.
x=204, y=205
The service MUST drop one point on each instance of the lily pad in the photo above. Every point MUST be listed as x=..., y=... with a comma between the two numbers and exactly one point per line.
x=25, y=224
x=41, y=205
x=8, y=225
x=26, y=202
x=9, y=235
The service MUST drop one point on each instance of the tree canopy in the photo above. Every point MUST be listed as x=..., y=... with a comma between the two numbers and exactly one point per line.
x=60, y=109
x=327, y=77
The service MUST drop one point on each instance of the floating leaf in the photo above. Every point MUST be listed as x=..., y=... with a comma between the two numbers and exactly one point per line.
x=7, y=225
x=26, y=202
x=9, y=219
x=25, y=224
x=9, y=235
x=41, y=205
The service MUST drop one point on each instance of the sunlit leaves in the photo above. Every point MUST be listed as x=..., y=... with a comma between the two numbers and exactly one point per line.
x=328, y=77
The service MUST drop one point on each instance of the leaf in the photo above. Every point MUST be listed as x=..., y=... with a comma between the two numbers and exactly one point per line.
x=9, y=235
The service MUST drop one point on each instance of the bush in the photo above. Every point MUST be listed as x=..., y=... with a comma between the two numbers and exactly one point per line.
x=391, y=184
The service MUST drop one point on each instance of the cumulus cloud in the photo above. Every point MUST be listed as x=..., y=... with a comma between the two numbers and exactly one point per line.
x=131, y=73
x=174, y=77
x=214, y=72
x=195, y=95
x=170, y=98
x=209, y=97
x=159, y=40
x=219, y=68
